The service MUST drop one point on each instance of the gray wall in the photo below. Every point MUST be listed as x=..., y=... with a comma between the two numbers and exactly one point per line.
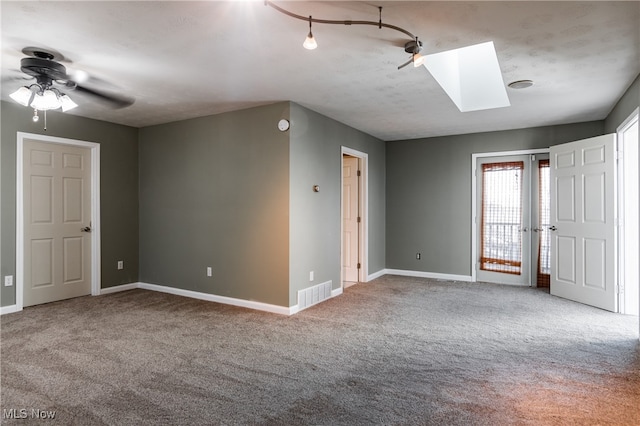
x=119, y=189
x=316, y=159
x=429, y=192
x=625, y=106
x=214, y=191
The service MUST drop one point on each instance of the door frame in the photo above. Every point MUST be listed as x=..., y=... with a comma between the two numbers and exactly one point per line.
x=475, y=221
x=633, y=118
x=95, y=209
x=363, y=227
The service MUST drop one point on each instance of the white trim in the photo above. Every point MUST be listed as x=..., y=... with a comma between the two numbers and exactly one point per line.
x=194, y=295
x=364, y=208
x=632, y=119
x=378, y=274
x=629, y=120
x=9, y=309
x=218, y=299
x=119, y=288
x=474, y=199
x=95, y=209
x=433, y=275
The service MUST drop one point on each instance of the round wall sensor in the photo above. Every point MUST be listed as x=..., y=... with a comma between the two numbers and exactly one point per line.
x=283, y=125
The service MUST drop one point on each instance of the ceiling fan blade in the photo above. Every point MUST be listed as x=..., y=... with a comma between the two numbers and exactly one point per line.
x=114, y=100
x=17, y=76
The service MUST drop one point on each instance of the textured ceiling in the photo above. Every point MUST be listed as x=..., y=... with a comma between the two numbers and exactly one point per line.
x=188, y=59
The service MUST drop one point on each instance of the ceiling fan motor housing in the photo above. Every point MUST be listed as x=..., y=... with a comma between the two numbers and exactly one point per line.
x=44, y=70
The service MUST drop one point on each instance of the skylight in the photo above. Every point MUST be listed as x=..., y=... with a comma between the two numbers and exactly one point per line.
x=471, y=76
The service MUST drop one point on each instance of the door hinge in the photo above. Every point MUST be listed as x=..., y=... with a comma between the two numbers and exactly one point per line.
x=619, y=155
x=359, y=173
x=358, y=265
x=358, y=220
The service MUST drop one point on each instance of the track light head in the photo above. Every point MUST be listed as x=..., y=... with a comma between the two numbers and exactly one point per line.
x=310, y=42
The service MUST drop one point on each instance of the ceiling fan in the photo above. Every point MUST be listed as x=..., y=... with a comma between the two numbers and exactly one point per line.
x=51, y=79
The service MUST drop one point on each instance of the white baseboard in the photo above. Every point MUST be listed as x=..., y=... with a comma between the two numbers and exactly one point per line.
x=375, y=275
x=434, y=275
x=219, y=299
x=9, y=309
x=117, y=288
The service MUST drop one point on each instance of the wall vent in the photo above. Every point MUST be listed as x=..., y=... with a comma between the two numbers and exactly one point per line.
x=313, y=295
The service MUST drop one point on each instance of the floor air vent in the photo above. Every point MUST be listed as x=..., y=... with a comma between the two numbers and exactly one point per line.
x=312, y=295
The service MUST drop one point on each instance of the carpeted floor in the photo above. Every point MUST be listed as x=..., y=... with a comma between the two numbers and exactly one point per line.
x=397, y=350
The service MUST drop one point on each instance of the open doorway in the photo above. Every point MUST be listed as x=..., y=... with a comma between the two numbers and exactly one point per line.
x=629, y=218
x=354, y=217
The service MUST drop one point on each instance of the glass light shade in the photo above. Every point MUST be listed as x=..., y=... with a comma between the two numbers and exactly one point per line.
x=418, y=60
x=48, y=100
x=310, y=42
x=22, y=96
x=67, y=103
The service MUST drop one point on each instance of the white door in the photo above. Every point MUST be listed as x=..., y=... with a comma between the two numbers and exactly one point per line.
x=56, y=215
x=350, y=218
x=582, y=222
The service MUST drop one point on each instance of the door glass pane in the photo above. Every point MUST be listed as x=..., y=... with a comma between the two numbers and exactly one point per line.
x=502, y=217
x=544, y=235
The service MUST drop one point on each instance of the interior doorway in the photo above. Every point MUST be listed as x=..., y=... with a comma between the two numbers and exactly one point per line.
x=57, y=219
x=354, y=217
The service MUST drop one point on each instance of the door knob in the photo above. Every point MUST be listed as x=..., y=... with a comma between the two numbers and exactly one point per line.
x=85, y=229
x=553, y=228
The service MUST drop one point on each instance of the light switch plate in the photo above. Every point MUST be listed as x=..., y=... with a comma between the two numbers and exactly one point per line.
x=8, y=280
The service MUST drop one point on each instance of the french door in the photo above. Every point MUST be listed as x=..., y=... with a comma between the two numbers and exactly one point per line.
x=512, y=219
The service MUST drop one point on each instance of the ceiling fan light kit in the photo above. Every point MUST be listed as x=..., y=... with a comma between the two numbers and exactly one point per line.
x=470, y=76
x=42, y=96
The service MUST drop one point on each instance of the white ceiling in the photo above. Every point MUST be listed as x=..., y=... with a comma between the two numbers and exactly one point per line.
x=189, y=59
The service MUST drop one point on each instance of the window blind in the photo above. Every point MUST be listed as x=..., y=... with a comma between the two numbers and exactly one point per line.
x=501, y=237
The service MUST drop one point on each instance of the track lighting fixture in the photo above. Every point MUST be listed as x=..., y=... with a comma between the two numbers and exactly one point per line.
x=478, y=82
x=310, y=42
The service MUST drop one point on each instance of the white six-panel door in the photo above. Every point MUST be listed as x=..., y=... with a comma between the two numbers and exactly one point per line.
x=57, y=217
x=583, y=222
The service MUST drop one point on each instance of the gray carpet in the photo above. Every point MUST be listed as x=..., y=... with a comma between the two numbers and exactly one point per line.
x=394, y=351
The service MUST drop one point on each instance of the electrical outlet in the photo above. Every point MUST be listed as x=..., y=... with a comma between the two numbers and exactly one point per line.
x=120, y=264
x=311, y=276
x=418, y=256
x=209, y=271
x=8, y=280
